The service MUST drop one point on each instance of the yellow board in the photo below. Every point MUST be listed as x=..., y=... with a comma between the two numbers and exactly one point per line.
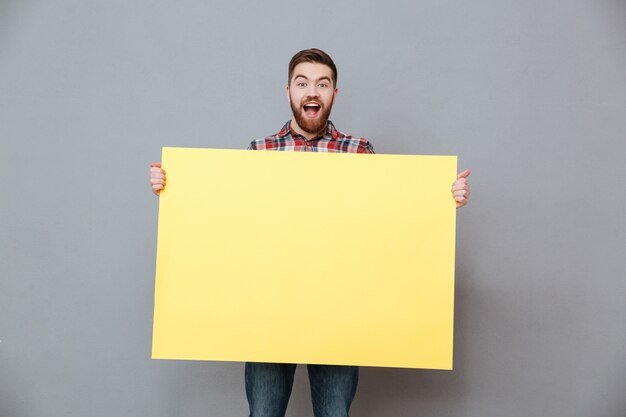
x=300, y=257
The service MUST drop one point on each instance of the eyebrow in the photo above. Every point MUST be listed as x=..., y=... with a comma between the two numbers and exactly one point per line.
x=302, y=76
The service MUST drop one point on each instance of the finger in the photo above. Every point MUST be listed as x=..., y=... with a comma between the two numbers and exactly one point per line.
x=461, y=193
x=459, y=181
x=155, y=164
x=460, y=186
x=156, y=174
x=464, y=174
x=154, y=181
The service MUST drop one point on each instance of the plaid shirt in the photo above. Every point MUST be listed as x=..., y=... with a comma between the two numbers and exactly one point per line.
x=332, y=141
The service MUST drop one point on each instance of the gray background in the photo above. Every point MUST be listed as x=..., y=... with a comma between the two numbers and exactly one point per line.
x=530, y=94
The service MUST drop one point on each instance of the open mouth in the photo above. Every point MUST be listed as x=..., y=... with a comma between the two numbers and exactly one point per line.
x=311, y=109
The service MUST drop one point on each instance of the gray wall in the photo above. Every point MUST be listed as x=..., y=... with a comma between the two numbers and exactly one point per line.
x=530, y=94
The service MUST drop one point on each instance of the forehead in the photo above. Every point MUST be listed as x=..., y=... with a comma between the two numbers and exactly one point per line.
x=312, y=71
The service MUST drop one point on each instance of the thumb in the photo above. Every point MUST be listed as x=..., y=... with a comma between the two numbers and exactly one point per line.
x=464, y=174
x=155, y=164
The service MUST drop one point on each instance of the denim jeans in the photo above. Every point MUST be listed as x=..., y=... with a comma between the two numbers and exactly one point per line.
x=268, y=387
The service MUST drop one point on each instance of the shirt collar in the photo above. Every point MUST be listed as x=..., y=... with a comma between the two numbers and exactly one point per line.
x=331, y=131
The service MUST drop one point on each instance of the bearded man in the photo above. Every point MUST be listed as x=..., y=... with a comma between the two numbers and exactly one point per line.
x=311, y=92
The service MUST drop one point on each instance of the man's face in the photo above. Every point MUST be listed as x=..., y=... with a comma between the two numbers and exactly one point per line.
x=311, y=93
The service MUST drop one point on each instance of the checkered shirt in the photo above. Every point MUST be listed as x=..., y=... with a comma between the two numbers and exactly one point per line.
x=332, y=141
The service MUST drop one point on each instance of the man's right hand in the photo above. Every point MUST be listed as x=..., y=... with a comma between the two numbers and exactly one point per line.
x=157, y=177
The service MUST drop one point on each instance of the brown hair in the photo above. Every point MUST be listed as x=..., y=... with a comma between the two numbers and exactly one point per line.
x=312, y=55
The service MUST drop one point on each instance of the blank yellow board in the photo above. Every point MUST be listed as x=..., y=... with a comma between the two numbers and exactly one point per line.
x=297, y=257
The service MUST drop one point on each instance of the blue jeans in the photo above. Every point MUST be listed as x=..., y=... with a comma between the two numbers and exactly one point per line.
x=268, y=387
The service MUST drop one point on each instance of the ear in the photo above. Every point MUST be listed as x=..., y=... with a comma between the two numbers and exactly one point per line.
x=335, y=94
x=287, y=92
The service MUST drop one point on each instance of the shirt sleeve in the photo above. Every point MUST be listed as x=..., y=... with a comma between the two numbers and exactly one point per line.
x=252, y=146
x=368, y=147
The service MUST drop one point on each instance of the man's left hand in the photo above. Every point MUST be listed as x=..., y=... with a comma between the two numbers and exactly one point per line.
x=461, y=189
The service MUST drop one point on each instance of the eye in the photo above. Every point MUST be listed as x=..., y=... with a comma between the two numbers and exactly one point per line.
x=323, y=85
x=301, y=84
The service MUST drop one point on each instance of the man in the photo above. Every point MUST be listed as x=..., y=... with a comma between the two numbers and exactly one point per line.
x=311, y=92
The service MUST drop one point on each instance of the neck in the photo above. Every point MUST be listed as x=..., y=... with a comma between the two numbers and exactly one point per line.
x=296, y=128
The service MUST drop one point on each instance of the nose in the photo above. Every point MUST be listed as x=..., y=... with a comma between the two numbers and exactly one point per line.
x=312, y=91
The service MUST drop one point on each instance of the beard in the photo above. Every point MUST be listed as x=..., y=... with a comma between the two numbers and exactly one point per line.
x=312, y=126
